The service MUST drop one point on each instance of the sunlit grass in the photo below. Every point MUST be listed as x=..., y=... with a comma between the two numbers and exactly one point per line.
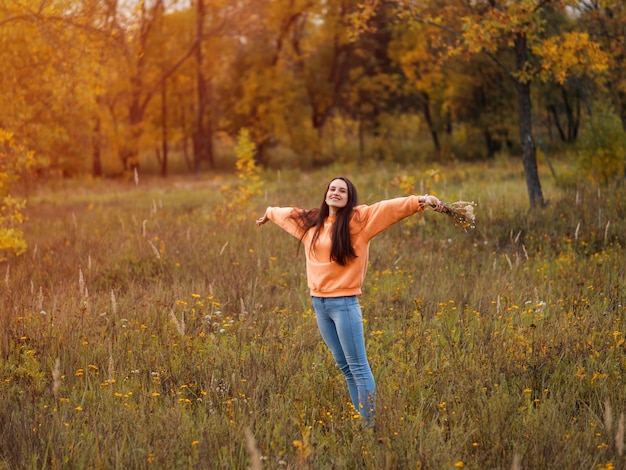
x=185, y=337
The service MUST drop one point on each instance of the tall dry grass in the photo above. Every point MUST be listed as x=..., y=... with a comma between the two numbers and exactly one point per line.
x=144, y=328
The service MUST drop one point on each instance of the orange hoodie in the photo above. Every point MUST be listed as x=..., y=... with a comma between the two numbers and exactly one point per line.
x=327, y=278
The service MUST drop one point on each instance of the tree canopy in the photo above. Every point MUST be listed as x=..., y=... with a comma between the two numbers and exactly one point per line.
x=101, y=87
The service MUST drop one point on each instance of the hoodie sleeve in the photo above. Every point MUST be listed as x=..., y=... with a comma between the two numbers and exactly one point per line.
x=282, y=216
x=383, y=214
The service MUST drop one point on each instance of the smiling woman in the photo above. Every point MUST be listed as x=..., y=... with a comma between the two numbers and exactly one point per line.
x=336, y=238
x=337, y=195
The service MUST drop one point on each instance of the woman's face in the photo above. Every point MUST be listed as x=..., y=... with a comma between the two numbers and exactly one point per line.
x=337, y=195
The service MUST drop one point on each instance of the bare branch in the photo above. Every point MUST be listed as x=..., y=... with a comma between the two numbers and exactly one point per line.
x=9, y=19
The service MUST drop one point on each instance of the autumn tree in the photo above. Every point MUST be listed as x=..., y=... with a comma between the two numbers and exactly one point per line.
x=451, y=94
x=478, y=98
x=168, y=118
x=140, y=65
x=298, y=65
x=217, y=25
x=606, y=23
x=375, y=83
x=46, y=81
x=418, y=50
x=264, y=98
x=519, y=28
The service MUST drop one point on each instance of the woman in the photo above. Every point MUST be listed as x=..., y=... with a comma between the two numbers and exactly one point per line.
x=336, y=238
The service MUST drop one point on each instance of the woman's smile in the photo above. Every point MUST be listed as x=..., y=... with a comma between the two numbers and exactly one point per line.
x=337, y=195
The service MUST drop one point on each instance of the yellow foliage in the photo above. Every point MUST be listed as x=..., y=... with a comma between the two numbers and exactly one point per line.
x=240, y=198
x=570, y=53
x=14, y=160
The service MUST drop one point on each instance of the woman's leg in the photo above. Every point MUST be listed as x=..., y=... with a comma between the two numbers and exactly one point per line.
x=328, y=331
x=341, y=324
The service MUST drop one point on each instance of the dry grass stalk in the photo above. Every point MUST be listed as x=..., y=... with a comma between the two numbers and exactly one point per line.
x=111, y=367
x=113, y=303
x=255, y=455
x=154, y=249
x=243, y=312
x=619, y=436
x=608, y=416
x=56, y=378
x=180, y=325
x=462, y=214
x=40, y=299
x=82, y=286
x=517, y=462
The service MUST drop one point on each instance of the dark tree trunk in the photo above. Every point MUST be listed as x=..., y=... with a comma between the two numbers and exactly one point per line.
x=96, y=164
x=573, y=118
x=429, y=120
x=164, y=146
x=130, y=152
x=203, y=129
x=557, y=122
x=493, y=145
x=529, y=152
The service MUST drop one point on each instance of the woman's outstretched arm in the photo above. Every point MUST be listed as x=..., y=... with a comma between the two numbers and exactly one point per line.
x=284, y=218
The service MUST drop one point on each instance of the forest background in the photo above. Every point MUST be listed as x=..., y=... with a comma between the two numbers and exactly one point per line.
x=106, y=87
x=134, y=129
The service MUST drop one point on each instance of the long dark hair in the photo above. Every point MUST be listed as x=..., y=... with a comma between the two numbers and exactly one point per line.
x=341, y=251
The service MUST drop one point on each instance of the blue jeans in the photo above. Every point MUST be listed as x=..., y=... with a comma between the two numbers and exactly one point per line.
x=341, y=324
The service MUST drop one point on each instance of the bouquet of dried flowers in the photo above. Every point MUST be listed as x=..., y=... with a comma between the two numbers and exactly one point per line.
x=462, y=213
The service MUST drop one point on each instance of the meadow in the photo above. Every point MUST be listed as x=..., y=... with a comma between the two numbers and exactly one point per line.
x=153, y=325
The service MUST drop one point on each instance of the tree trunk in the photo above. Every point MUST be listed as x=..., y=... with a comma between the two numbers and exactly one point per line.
x=429, y=120
x=136, y=130
x=96, y=168
x=529, y=152
x=203, y=129
x=557, y=122
x=492, y=144
x=129, y=153
x=573, y=118
x=164, y=146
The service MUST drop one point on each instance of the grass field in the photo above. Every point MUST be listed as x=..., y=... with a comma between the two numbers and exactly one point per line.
x=150, y=327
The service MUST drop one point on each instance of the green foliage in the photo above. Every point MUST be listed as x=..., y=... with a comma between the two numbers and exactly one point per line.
x=498, y=345
x=601, y=148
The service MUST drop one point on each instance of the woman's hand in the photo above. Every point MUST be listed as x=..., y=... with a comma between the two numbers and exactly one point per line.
x=261, y=220
x=433, y=202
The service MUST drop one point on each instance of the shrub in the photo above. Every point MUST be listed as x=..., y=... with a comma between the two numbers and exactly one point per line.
x=602, y=148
